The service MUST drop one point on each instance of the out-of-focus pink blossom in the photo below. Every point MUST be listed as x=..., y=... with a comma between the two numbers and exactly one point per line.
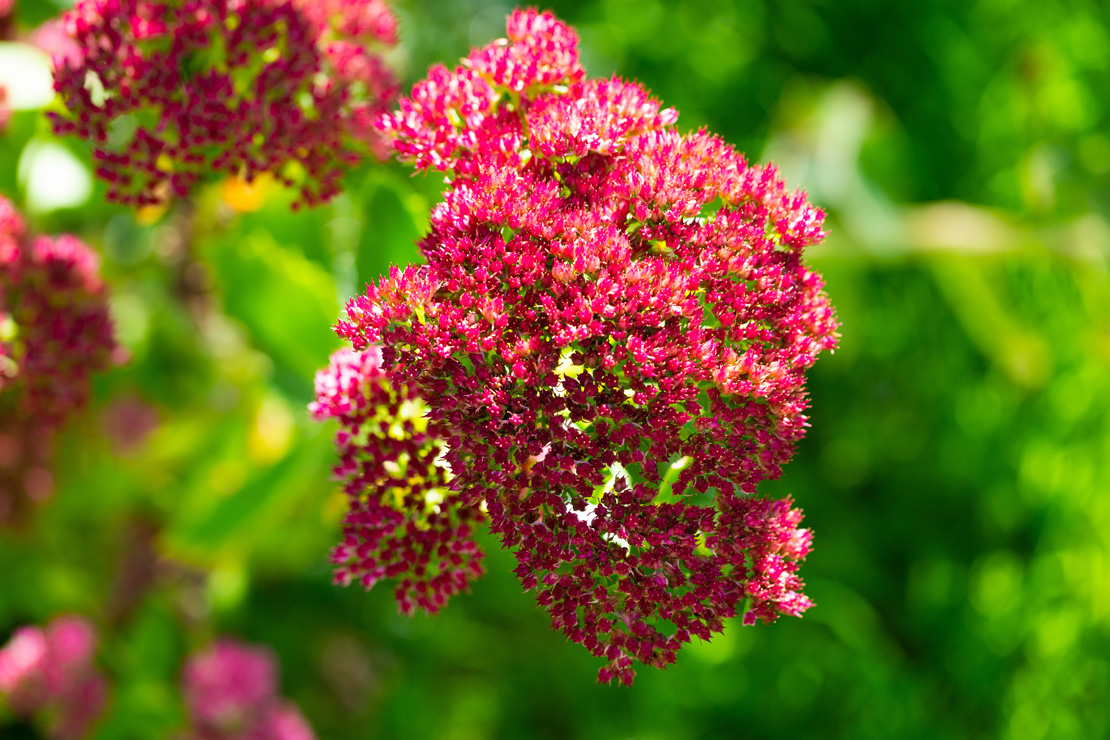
x=285, y=722
x=127, y=422
x=225, y=685
x=610, y=335
x=52, y=38
x=230, y=693
x=168, y=92
x=21, y=664
x=55, y=331
x=7, y=20
x=58, y=330
x=48, y=676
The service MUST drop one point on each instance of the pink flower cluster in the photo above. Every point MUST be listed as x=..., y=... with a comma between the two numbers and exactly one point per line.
x=404, y=521
x=55, y=332
x=168, y=91
x=610, y=335
x=230, y=693
x=48, y=675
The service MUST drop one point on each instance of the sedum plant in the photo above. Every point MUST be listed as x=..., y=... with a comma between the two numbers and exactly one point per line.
x=601, y=357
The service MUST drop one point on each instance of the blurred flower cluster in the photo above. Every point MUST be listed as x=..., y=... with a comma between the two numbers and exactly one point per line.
x=230, y=693
x=609, y=334
x=47, y=674
x=55, y=332
x=48, y=678
x=170, y=91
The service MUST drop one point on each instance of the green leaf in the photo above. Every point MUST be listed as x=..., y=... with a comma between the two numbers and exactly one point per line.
x=390, y=228
x=287, y=302
x=238, y=522
x=13, y=139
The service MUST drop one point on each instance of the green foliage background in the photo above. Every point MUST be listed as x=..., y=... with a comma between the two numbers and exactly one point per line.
x=957, y=474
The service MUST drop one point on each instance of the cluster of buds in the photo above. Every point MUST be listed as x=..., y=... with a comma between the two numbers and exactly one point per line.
x=608, y=339
x=47, y=676
x=55, y=331
x=231, y=693
x=404, y=521
x=168, y=91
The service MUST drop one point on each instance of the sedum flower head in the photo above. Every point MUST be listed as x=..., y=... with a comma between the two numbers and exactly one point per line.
x=55, y=331
x=169, y=90
x=610, y=335
x=230, y=693
x=49, y=673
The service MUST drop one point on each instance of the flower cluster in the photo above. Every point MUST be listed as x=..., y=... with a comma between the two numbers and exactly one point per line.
x=404, y=522
x=54, y=332
x=169, y=90
x=230, y=693
x=48, y=674
x=610, y=334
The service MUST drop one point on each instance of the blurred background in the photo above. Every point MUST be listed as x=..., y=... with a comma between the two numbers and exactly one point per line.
x=957, y=474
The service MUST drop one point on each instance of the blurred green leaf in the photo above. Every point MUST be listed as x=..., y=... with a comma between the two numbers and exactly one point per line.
x=390, y=229
x=259, y=509
x=287, y=302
